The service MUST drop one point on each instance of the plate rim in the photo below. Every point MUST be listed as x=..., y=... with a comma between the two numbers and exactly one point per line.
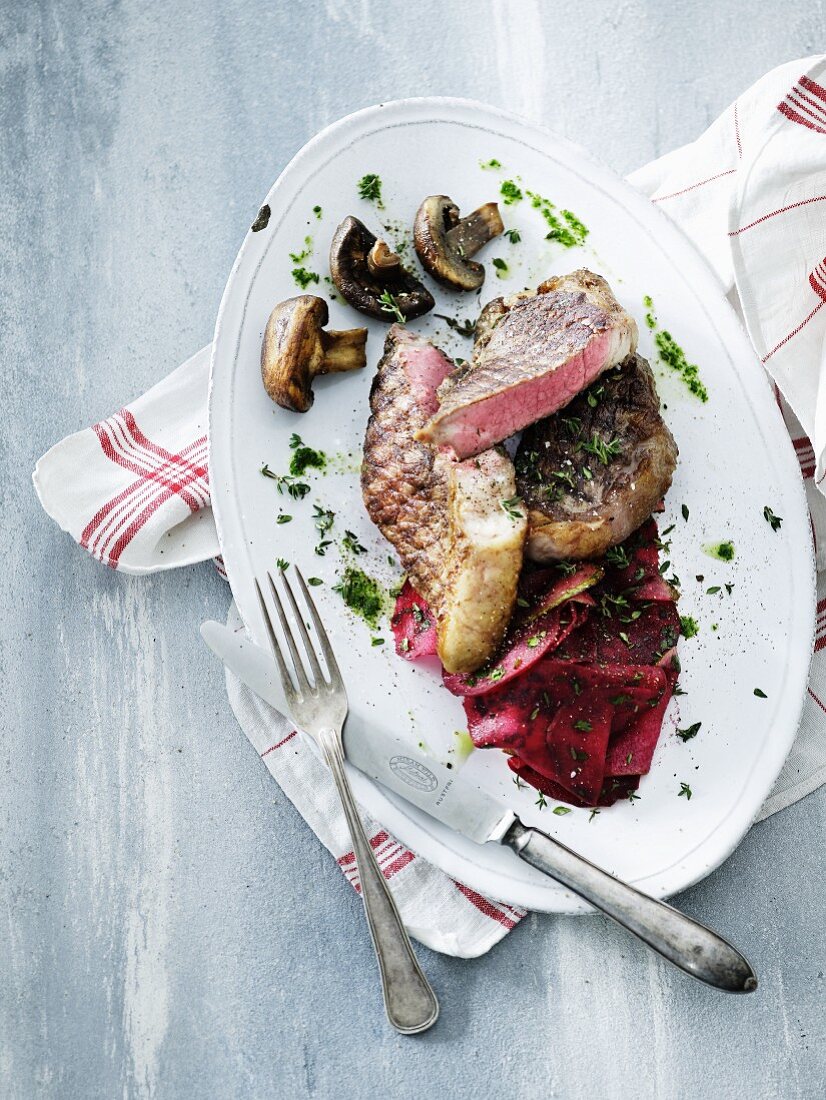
x=399, y=817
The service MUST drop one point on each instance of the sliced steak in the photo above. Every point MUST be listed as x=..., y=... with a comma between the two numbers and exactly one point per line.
x=594, y=472
x=461, y=549
x=484, y=559
x=405, y=483
x=533, y=354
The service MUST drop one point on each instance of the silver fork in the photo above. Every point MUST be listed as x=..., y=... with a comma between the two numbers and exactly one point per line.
x=319, y=707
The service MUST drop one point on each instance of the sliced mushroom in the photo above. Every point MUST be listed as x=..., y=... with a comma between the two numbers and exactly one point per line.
x=296, y=349
x=371, y=278
x=445, y=242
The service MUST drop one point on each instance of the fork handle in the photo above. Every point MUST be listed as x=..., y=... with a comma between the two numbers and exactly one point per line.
x=409, y=1001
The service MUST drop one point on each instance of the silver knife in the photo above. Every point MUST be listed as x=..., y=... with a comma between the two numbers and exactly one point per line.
x=441, y=793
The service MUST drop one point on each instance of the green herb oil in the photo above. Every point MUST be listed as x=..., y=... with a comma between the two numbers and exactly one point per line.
x=672, y=355
x=362, y=595
x=723, y=551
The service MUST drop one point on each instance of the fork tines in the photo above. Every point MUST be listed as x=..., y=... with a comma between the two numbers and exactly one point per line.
x=304, y=684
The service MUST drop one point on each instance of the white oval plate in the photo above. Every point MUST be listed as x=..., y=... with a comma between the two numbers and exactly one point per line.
x=735, y=459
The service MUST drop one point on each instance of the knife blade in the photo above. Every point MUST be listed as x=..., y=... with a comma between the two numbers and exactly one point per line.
x=419, y=779
x=689, y=945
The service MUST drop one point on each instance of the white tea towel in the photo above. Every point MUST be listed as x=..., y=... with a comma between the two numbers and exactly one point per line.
x=751, y=194
x=133, y=490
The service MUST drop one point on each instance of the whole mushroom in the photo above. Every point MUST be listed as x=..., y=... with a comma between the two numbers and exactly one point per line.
x=445, y=242
x=296, y=349
x=370, y=276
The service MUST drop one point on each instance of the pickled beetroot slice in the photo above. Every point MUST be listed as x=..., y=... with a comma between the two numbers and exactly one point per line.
x=643, y=557
x=503, y=717
x=574, y=746
x=631, y=750
x=544, y=590
x=558, y=719
x=657, y=589
x=613, y=789
x=608, y=639
x=559, y=733
x=523, y=651
x=632, y=746
x=413, y=625
x=556, y=607
x=641, y=580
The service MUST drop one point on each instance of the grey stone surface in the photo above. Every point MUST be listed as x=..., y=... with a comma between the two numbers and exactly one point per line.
x=159, y=934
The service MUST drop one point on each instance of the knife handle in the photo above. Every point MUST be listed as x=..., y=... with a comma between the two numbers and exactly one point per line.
x=684, y=942
x=410, y=1002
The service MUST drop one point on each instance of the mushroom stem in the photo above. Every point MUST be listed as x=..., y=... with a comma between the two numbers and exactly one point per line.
x=474, y=231
x=381, y=261
x=343, y=350
x=296, y=348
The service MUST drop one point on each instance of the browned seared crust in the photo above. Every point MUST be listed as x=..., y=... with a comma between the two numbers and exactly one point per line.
x=405, y=486
x=573, y=516
x=488, y=319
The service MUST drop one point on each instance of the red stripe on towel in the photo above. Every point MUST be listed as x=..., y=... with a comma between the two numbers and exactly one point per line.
x=694, y=186
x=278, y=744
x=161, y=475
x=489, y=908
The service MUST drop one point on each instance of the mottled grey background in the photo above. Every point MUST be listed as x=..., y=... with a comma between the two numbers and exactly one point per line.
x=158, y=935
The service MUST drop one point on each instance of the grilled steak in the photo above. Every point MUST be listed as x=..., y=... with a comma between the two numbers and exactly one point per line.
x=404, y=483
x=533, y=354
x=461, y=549
x=592, y=473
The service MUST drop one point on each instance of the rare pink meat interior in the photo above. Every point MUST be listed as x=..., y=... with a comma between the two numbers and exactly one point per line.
x=533, y=354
